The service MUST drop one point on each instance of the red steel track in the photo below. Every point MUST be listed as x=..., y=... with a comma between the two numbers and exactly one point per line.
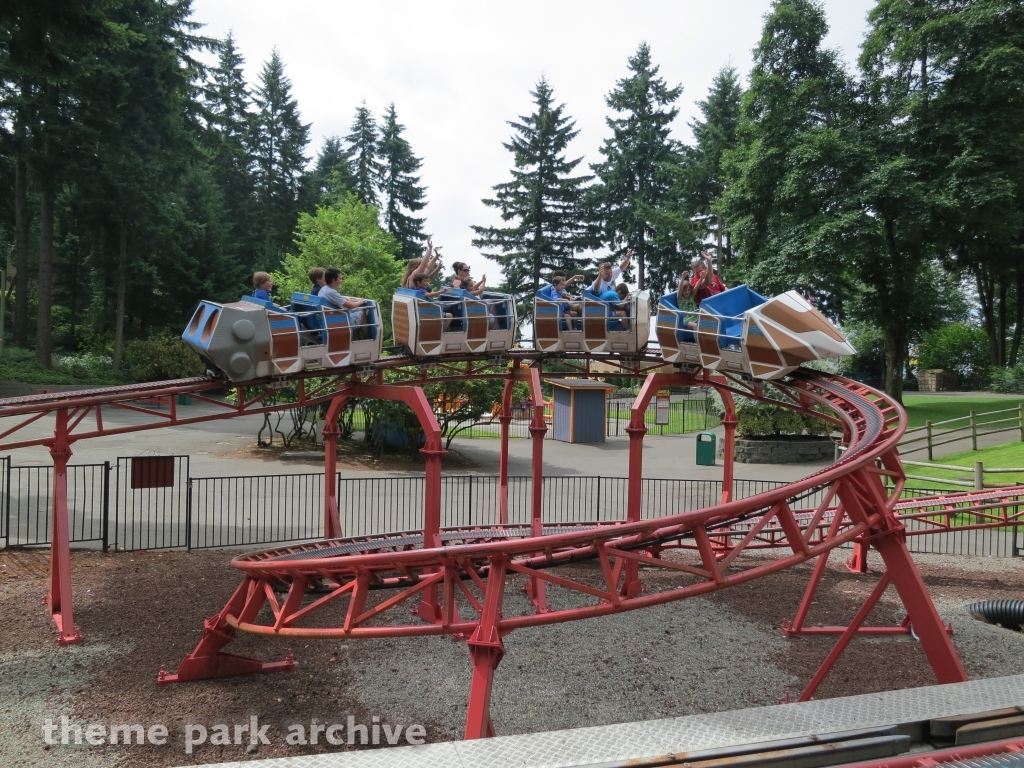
x=457, y=578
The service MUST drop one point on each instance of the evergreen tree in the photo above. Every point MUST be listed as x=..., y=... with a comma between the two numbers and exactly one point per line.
x=550, y=227
x=703, y=177
x=51, y=48
x=400, y=188
x=636, y=174
x=331, y=179
x=279, y=141
x=363, y=148
x=227, y=101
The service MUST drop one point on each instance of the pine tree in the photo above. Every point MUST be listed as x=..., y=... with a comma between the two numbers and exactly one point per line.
x=227, y=102
x=400, y=189
x=279, y=141
x=543, y=201
x=362, y=147
x=703, y=177
x=637, y=173
x=331, y=178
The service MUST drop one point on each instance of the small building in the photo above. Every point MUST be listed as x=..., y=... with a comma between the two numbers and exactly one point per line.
x=580, y=409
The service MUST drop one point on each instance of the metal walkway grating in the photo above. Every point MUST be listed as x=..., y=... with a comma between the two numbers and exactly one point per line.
x=602, y=744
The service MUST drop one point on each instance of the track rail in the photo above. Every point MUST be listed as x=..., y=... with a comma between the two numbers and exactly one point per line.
x=457, y=578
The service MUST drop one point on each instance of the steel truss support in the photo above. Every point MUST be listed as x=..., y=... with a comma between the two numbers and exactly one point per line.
x=59, y=597
x=535, y=587
x=208, y=661
x=863, y=497
x=486, y=651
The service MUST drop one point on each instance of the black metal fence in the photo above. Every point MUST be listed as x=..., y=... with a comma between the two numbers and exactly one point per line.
x=107, y=510
x=685, y=415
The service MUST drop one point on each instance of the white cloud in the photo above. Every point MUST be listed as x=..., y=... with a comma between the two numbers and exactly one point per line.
x=457, y=71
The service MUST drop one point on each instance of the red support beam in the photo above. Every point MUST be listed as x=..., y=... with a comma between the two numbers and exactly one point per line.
x=505, y=417
x=332, y=516
x=729, y=422
x=60, y=598
x=535, y=587
x=486, y=651
x=887, y=537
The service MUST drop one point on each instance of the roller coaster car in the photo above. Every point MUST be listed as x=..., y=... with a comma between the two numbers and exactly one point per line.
x=253, y=339
x=599, y=326
x=740, y=330
x=477, y=325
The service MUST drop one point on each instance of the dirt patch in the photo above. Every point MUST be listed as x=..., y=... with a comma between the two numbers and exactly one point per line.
x=141, y=610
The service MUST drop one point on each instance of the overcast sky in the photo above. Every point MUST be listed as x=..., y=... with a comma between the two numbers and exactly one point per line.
x=458, y=71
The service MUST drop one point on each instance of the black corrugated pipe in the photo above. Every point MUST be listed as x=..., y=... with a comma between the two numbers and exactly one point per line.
x=1006, y=613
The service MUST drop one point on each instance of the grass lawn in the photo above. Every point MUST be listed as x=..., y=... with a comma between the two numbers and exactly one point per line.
x=680, y=420
x=921, y=408
x=1009, y=455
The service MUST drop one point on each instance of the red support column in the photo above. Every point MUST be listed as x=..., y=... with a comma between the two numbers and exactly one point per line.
x=332, y=517
x=636, y=430
x=486, y=651
x=535, y=587
x=506, y=419
x=59, y=597
x=888, y=537
x=207, y=661
x=729, y=421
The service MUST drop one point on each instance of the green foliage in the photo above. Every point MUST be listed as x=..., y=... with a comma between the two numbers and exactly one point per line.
x=458, y=405
x=21, y=365
x=278, y=148
x=764, y=420
x=869, y=362
x=348, y=237
x=957, y=347
x=543, y=203
x=402, y=193
x=1007, y=380
x=638, y=170
x=702, y=176
x=161, y=357
x=363, y=148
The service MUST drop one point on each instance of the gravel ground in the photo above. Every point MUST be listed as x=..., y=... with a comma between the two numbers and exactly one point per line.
x=723, y=651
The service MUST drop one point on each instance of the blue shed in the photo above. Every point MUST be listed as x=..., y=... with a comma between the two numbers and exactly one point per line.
x=580, y=408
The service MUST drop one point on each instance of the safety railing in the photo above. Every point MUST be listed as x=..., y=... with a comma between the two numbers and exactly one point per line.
x=978, y=472
x=975, y=425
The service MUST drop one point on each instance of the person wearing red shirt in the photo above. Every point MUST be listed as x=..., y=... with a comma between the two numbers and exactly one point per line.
x=704, y=281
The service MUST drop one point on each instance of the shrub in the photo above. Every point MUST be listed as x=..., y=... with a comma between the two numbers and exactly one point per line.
x=957, y=347
x=763, y=420
x=161, y=357
x=18, y=364
x=1007, y=380
x=757, y=419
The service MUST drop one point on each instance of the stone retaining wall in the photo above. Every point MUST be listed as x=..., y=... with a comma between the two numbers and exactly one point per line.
x=792, y=451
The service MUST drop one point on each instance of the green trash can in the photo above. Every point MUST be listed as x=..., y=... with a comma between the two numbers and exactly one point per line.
x=184, y=399
x=706, y=442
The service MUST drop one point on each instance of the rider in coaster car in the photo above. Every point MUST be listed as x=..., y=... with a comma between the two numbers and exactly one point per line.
x=419, y=284
x=357, y=320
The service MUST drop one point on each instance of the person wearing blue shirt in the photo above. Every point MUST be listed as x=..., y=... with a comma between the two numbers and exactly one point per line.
x=316, y=277
x=263, y=286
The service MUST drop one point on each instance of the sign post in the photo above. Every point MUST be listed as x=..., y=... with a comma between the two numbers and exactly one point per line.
x=662, y=409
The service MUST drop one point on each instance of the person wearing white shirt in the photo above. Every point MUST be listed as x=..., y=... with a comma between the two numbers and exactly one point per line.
x=607, y=275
